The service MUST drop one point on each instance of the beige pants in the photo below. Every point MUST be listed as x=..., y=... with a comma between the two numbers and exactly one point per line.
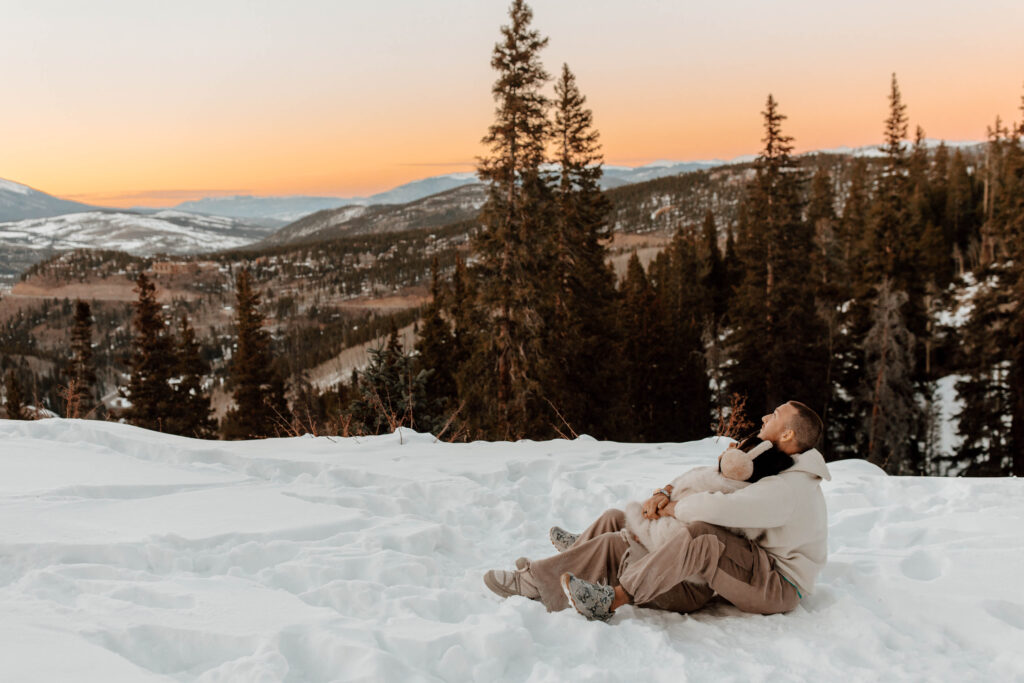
x=737, y=569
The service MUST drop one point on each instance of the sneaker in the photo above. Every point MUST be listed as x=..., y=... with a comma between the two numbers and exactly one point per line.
x=561, y=539
x=506, y=583
x=592, y=600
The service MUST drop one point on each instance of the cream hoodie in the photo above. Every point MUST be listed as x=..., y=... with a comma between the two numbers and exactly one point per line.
x=789, y=506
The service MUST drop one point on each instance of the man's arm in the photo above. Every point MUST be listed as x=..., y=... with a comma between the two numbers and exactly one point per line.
x=763, y=505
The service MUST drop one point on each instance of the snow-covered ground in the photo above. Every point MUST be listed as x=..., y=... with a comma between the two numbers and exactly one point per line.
x=133, y=556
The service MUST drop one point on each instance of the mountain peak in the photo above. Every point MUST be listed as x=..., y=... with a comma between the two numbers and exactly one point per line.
x=11, y=186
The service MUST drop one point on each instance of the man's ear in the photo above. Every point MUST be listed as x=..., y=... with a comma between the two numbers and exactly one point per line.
x=787, y=435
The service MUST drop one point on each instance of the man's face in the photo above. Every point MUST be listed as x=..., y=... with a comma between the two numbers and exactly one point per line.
x=776, y=422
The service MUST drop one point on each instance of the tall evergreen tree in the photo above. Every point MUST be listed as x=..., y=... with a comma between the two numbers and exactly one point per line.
x=713, y=272
x=777, y=336
x=193, y=414
x=81, y=372
x=832, y=293
x=15, y=405
x=152, y=362
x=502, y=378
x=684, y=307
x=961, y=215
x=889, y=360
x=435, y=348
x=717, y=288
x=260, y=406
x=891, y=251
x=642, y=355
x=992, y=392
x=894, y=257
x=579, y=375
x=1014, y=230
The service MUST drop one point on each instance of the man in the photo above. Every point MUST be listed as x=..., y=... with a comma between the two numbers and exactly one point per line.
x=603, y=569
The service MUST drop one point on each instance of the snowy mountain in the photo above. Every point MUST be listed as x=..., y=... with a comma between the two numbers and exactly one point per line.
x=129, y=555
x=418, y=189
x=18, y=202
x=458, y=204
x=290, y=209
x=616, y=176
x=879, y=150
x=169, y=232
x=286, y=209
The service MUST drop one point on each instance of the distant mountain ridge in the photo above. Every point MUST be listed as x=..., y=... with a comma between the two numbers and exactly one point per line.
x=292, y=208
x=18, y=202
x=29, y=241
x=458, y=204
x=43, y=225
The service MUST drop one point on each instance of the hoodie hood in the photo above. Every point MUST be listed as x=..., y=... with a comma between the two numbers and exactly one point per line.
x=812, y=462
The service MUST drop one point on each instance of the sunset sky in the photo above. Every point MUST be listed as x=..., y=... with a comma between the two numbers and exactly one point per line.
x=135, y=102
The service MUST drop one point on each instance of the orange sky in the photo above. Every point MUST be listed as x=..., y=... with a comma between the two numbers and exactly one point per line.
x=135, y=103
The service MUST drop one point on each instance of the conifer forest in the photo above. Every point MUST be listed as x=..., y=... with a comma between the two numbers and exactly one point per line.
x=874, y=288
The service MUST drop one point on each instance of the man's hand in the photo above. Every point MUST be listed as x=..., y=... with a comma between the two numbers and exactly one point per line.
x=668, y=509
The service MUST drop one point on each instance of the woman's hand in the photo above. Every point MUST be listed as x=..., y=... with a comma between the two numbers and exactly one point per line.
x=652, y=505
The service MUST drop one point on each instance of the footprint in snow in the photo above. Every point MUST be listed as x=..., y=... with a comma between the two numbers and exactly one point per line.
x=920, y=566
x=1009, y=613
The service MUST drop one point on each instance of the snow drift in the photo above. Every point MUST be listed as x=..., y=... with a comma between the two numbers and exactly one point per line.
x=132, y=556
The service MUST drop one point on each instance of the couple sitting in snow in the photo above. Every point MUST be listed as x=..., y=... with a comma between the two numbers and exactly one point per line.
x=753, y=530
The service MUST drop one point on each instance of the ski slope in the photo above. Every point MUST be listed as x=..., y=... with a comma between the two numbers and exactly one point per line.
x=128, y=555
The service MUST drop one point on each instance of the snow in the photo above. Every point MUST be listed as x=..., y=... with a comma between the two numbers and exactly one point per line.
x=17, y=188
x=134, y=556
x=130, y=232
x=950, y=406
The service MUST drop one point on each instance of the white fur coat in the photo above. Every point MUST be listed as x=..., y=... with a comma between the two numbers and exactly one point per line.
x=654, y=533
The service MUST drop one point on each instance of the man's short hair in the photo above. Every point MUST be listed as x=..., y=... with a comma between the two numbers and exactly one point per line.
x=807, y=426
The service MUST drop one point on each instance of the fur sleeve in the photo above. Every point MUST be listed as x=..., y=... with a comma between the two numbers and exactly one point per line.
x=703, y=480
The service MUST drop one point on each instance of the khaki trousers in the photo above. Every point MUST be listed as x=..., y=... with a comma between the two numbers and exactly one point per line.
x=682, y=576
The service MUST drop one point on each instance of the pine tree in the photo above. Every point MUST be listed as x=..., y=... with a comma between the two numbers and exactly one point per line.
x=845, y=435
x=435, y=348
x=986, y=391
x=81, y=373
x=501, y=380
x=15, y=406
x=889, y=361
x=462, y=314
x=961, y=215
x=992, y=393
x=260, y=406
x=641, y=353
x=713, y=272
x=748, y=330
x=579, y=372
x=832, y=292
x=684, y=307
x=776, y=340
x=890, y=250
x=1014, y=230
x=717, y=288
x=392, y=392
x=193, y=414
x=153, y=362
